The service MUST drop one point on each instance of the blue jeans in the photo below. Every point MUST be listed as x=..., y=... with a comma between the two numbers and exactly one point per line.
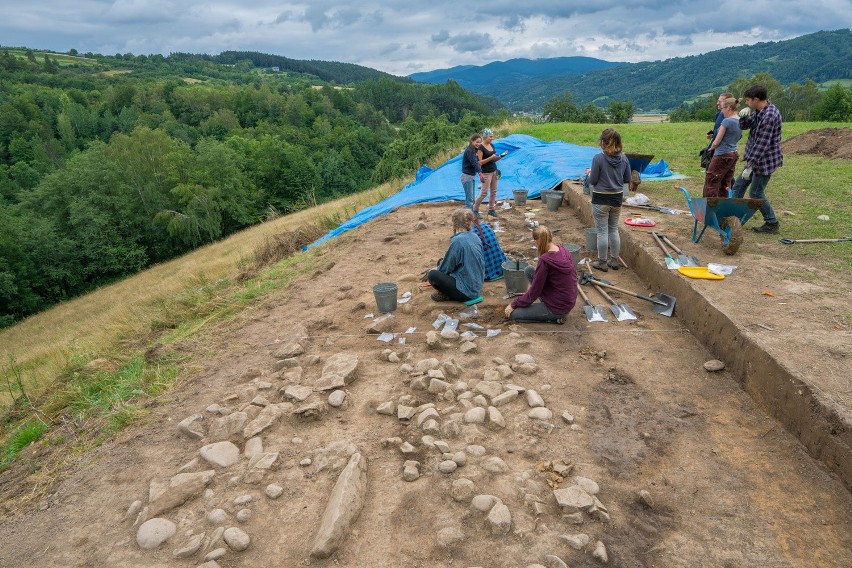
x=606, y=222
x=756, y=190
x=469, y=191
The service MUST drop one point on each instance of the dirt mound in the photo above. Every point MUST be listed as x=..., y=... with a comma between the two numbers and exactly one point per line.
x=827, y=142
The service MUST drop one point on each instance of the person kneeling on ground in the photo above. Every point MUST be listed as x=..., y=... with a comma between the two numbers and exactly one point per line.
x=461, y=273
x=553, y=282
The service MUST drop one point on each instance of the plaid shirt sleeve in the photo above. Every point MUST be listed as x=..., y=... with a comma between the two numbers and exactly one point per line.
x=491, y=252
x=763, y=149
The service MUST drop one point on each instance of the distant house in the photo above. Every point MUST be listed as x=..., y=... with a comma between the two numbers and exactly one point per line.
x=275, y=69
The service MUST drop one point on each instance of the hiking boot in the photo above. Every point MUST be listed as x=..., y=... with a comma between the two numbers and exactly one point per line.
x=600, y=265
x=767, y=228
x=438, y=297
x=492, y=212
x=613, y=263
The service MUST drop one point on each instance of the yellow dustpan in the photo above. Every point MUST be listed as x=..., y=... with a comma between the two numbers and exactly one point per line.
x=699, y=272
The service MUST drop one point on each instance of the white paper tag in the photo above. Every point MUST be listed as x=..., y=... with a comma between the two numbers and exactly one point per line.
x=387, y=337
x=493, y=332
x=411, y=330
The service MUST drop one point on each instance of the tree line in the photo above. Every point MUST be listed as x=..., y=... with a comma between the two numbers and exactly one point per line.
x=114, y=163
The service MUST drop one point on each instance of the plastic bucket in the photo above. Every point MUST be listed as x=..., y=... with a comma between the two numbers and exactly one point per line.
x=515, y=277
x=592, y=239
x=544, y=194
x=626, y=190
x=553, y=201
x=575, y=252
x=385, y=293
x=520, y=197
x=587, y=187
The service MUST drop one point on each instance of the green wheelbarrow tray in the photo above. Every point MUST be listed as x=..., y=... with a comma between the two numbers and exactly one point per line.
x=726, y=215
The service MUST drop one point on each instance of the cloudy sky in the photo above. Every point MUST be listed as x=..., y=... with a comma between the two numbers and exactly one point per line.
x=406, y=36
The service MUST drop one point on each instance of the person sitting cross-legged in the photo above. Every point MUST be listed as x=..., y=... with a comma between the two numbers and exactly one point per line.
x=460, y=275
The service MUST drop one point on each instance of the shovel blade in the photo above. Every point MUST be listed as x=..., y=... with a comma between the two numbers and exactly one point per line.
x=593, y=315
x=666, y=310
x=622, y=312
x=671, y=263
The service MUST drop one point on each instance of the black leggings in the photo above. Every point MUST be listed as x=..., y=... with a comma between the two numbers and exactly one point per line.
x=446, y=285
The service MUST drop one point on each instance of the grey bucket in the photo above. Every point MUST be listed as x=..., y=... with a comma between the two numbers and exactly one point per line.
x=553, y=201
x=515, y=277
x=544, y=194
x=575, y=252
x=520, y=197
x=385, y=293
x=592, y=239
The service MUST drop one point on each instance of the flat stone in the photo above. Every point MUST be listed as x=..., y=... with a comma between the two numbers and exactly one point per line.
x=424, y=365
x=292, y=375
x=297, y=392
x=289, y=350
x=577, y=541
x=181, y=488
x=192, y=427
x=460, y=458
x=450, y=334
x=573, y=499
x=441, y=446
x=407, y=449
x=189, y=547
x=243, y=515
x=227, y=426
x=411, y=470
x=263, y=461
x=236, y=539
x=155, y=532
x=447, y=466
x=588, y=485
x=523, y=359
x=217, y=516
x=568, y=417
x=343, y=508
x=484, y=503
x=273, y=491
x=431, y=426
x=220, y=454
x=504, y=397
x=534, y=399
x=426, y=415
x=489, y=388
x=265, y=420
x=468, y=347
x=211, y=557
x=336, y=398
x=438, y=386
x=253, y=447
x=311, y=411
x=540, y=413
x=344, y=365
x=243, y=500
x=480, y=400
x=387, y=408
x=646, y=499
x=405, y=412
x=714, y=365
x=599, y=553
x=495, y=418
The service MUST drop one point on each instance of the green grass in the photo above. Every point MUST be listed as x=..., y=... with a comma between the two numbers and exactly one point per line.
x=806, y=186
x=23, y=436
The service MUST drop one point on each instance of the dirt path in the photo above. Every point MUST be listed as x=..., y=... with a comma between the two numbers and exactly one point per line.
x=729, y=486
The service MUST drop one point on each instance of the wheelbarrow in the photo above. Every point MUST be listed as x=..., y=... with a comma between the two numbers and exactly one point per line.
x=725, y=214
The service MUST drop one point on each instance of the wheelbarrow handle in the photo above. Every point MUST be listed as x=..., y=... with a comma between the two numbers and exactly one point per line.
x=688, y=199
x=629, y=293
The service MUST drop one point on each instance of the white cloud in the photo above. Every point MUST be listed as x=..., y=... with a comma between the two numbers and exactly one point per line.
x=402, y=37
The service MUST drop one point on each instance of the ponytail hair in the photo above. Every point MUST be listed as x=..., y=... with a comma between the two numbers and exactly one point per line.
x=543, y=239
x=731, y=103
x=611, y=142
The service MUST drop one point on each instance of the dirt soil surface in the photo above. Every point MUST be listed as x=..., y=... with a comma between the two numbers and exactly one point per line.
x=727, y=485
x=826, y=142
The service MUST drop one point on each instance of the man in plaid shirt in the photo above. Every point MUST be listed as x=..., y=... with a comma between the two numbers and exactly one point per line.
x=762, y=152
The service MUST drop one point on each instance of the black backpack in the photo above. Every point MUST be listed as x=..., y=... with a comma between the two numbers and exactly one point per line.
x=706, y=154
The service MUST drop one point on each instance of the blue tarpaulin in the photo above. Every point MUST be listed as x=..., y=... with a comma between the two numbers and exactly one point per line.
x=532, y=164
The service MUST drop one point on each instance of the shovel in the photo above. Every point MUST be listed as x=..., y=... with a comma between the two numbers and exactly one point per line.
x=663, y=303
x=794, y=241
x=671, y=263
x=682, y=258
x=621, y=312
x=593, y=313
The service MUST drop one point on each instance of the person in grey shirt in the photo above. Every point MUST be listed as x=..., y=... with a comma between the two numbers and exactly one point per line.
x=720, y=172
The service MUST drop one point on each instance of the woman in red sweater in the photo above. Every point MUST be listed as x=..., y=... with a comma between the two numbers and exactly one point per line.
x=553, y=282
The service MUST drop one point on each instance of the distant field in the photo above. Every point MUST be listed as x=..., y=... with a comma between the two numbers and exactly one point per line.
x=61, y=58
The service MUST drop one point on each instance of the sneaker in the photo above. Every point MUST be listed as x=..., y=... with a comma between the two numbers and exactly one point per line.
x=438, y=297
x=613, y=263
x=560, y=321
x=492, y=212
x=767, y=228
x=600, y=265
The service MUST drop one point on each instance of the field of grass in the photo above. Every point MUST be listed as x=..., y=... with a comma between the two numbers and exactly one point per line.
x=805, y=187
x=61, y=58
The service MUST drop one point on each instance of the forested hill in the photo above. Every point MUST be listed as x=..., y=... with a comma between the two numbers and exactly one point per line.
x=665, y=85
x=109, y=164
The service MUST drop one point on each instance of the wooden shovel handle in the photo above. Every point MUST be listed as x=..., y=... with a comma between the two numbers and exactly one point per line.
x=629, y=293
x=583, y=294
x=604, y=294
x=660, y=243
x=671, y=244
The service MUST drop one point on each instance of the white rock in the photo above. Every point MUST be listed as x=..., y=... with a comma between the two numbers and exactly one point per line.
x=387, y=408
x=243, y=515
x=576, y=541
x=468, y=347
x=448, y=536
x=475, y=415
x=534, y=399
x=220, y=454
x=484, y=503
x=236, y=539
x=540, y=413
x=190, y=546
x=714, y=365
x=475, y=450
x=336, y=398
x=447, y=466
x=155, y=532
x=600, y=553
x=495, y=464
x=573, y=498
x=823, y=217
x=217, y=516
x=253, y=447
x=274, y=491
x=588, y=485
x=495, y=418
x=568, y=417
x=462, y=489
x=499, y=519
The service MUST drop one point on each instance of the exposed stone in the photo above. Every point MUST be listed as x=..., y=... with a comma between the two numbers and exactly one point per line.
x=311, y=411
x=290, y=349
x=180, y=489
x=568, y=417
x=480, y=400
x=426, y=415
x=573, y=498
x=260, y=401
x=494, y=464
x=504, y=397
x=540, y=413
x=599, y=553
x=424, y=365
x=243, y=515
x=450, y=334
x=343, y=508
x=411, y=470
x=441, y=446
x=419, y=383
x=468, y=347
x=500, y=519
x=253, y=447
x=155, y=532
x=133, y=510
x=462, y=489
x=475, y=415
x=576, y=541
x=433, y=340
x=489, y=388
x=714, y=365
x=211, y=557
x=285, y=364
x=438, y=386
x=297, y=392
x=460, y=458
x=189, y=547
x=217, y=516
x=551, y=561
x=236, y=539
x=338, y=371
x=646, y=499
x=407, y=449
x=534, y=399
x=405, y=412
x=273, y=491
x=431, y=426
x=447, y=466
x=263, y=461
x=267, y=417
x=292, y=375
x=387, y=408
x=506, y=372
x=588, y=485
x=484, y=503
x=227, y=426
x=448, y=536
x=336, y=398
x=192, y=427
